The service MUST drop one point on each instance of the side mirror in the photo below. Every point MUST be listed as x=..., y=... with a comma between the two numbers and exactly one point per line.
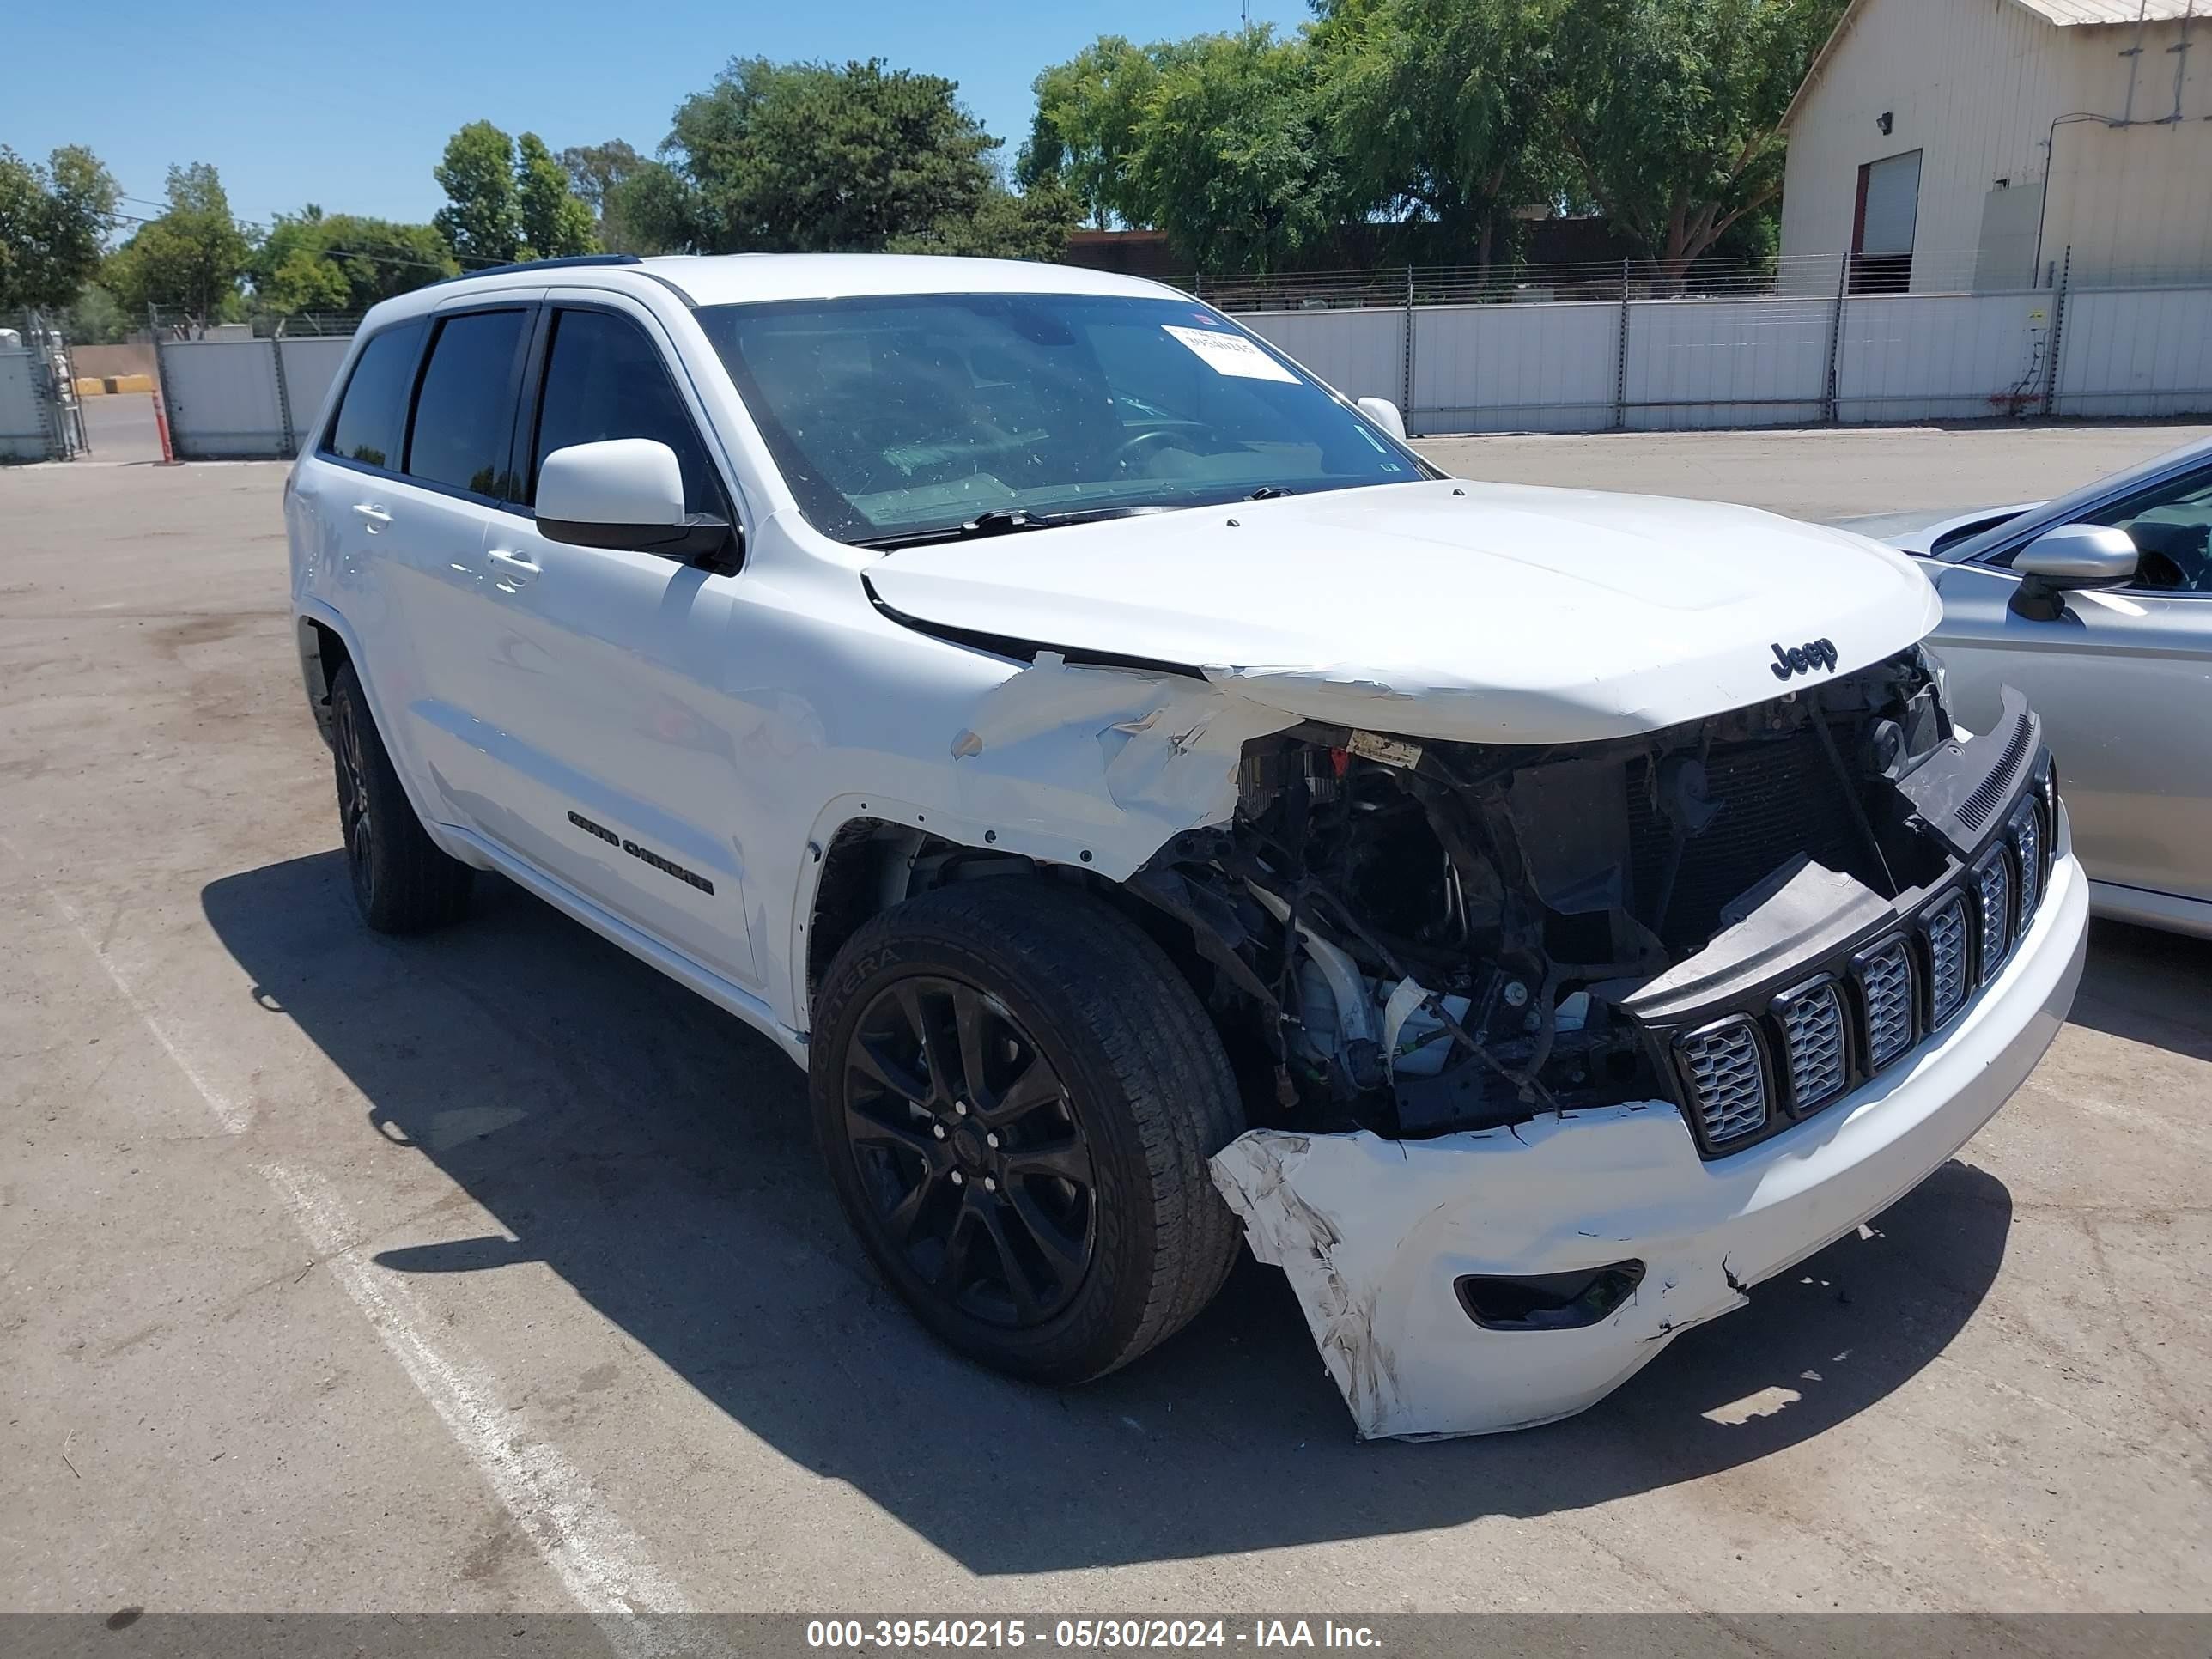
x=2070, y=556
x=625, y=493
x=1385, y=414
x=2078, y=556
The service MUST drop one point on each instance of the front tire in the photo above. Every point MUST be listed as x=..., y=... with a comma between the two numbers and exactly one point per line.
x=401, y=881
x=1016, y=1095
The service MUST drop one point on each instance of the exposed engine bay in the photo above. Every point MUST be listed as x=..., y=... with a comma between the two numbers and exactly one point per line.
x=1469, y=919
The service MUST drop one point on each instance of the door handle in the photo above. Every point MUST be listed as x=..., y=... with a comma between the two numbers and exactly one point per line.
x=511, y=569
x=377, y=517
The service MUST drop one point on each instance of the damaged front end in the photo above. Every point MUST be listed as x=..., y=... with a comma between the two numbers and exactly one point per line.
x=1520, y=1012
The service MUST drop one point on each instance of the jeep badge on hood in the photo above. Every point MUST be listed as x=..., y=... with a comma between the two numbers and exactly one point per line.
x=1803, y=659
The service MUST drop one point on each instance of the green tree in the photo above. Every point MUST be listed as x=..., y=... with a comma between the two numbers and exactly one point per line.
x=313, y=261
x=94, y=319
x=292, y=272
x=190, y=259
x=1219, y=140
x=1441, y=112
x=816, y=156
x=1233, y=159
x=482, y=220
x=1032, y=224
x=603, y=177
x=1091, y=117
x=54, y=222
x=1671, y=110
x=556, y=222
x=653, y=210
x=506, y=200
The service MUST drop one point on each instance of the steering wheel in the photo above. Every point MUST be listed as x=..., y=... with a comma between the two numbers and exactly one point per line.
x=2172, y=558
x=1129, y=448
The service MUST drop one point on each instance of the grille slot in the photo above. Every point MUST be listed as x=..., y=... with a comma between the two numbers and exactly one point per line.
x=1993, y=899
x=2027, y=842
x=1728, y=1080
x=1885, y=978
x=1813, y=1028
x=1948, y=971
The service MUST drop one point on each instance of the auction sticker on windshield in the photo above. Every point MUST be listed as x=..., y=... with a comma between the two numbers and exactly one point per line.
x=1231, y=354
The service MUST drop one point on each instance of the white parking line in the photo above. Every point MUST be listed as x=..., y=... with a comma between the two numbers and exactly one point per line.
x=601, y=1561
x=234, y=1118
x=604, y=1565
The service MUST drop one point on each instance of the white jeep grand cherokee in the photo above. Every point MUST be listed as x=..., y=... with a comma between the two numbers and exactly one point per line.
x=1154, y=804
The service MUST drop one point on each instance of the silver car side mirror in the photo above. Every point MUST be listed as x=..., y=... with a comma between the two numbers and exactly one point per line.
x=2078, y=556
x=2073, y=555
x=1385, y=414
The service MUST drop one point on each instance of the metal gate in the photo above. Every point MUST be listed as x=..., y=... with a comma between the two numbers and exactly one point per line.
x=41, y=419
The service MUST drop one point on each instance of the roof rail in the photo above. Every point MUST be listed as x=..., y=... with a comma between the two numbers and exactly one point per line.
x=552, y=265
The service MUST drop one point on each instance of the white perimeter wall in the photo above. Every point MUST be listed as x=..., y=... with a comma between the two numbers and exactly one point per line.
x=223, y=398
x=1561, y=368
x=2123, y=352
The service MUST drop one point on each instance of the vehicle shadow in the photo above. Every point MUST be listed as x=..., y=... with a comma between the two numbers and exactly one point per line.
x=656, y=1155
x=2148, y=988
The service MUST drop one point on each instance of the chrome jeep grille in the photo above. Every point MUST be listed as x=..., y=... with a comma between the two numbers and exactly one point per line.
x=1993, y=900
x=1871, y=1009
x=1728, y=1080
x=1813, y=1031
x=1950, y=975
x=1885, y=982
x=2028, y=842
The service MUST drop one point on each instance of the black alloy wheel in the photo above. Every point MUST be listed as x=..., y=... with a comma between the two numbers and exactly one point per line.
x=355, y=823
x=973, y=1153
x=401, y=879
x=1016, y=1092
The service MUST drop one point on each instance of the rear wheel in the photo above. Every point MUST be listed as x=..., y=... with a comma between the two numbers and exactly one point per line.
x=1016, y=1095
x=401, y=880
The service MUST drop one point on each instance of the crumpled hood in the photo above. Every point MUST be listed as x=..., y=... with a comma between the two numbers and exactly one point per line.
x=1496, y=613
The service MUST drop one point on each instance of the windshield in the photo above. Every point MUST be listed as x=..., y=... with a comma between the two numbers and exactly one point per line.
x=905, y=416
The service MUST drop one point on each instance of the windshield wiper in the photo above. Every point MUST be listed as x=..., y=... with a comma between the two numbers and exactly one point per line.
x=1001, y=521
x=1268, y=493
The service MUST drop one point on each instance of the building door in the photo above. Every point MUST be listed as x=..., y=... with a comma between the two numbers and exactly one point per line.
x=1881, y=233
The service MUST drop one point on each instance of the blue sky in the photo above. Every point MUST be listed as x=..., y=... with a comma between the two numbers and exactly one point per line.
x=353, y=115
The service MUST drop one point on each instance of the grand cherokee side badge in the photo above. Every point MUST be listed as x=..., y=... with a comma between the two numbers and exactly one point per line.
x=1803, y=658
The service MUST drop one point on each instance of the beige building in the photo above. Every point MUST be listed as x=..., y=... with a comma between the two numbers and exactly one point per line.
x=1969, y=143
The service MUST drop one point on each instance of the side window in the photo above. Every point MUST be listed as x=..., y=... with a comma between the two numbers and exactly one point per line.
x=2170, y=527
x=605, y=379
x=465, y=413
x=373, y=412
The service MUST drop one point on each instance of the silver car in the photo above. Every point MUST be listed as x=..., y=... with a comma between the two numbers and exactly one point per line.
x=2098, y=607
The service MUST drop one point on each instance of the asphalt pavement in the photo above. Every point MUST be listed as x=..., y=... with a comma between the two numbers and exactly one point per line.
x=493, y=1271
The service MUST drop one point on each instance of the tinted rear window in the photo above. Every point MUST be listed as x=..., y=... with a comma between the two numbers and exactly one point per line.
x=465, y=413
x=374, y=411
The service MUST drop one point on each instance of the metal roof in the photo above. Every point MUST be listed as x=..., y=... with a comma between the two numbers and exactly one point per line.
x=2069, y=13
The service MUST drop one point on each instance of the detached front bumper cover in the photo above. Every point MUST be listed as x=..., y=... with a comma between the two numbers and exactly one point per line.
x=1375, y=1235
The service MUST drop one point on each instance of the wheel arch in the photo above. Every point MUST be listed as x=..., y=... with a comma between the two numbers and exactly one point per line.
x=869, y=865
x=327, y=645
x=323, y=652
